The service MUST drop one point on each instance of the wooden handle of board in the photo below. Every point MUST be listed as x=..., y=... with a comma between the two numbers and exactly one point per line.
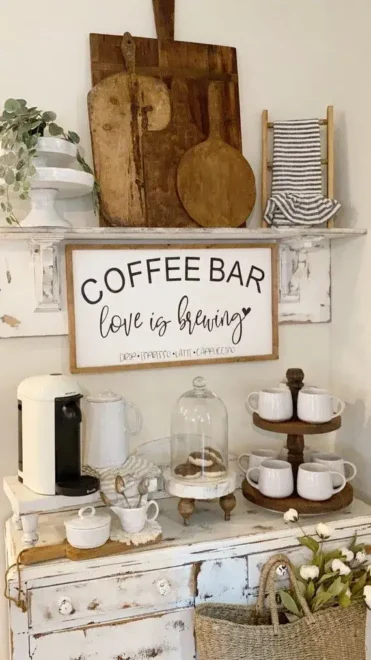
x=215, y=108
x=128, y=52
x=164, y=11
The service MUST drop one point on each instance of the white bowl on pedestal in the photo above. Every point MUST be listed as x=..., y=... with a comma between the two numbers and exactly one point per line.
x=55, y=152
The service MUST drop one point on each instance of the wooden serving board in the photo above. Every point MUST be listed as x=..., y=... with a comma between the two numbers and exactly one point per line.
x=64, y=550
x=195, y=65
x=335, y=503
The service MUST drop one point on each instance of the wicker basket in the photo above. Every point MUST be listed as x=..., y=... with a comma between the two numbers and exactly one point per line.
x=238, y=632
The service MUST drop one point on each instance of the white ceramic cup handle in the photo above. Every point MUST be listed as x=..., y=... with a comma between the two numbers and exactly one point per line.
x=354, y=470
x=83, y=513
x=249, y=404
x=156, y=507
x=337, y=489
x=254, y=484
x=339, y=406
x=240, y=463
x=138, y=419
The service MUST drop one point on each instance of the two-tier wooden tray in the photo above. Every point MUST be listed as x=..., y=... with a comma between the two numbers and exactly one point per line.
x=296, y=430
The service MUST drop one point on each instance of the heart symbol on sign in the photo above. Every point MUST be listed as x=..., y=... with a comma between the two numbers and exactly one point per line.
x=246, y=310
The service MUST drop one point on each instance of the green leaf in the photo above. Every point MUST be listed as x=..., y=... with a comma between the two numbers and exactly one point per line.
x=289, y=603
x=48, y=116
x=23, y=196
x=336, y=587
x=2, y=171
x=320, y=599
x=345, y=601
x=326, y=576
x=17, y=186
x=9, y=220
x=55, y=130
x=360, y=584
x=3, y=207
x=310, y=543
x=311, y=590
x=9, y=177
x=2, y=190
x=334, y=554
x=73, y=137
x=22, y=102
x=32, y=170
x=19, y=176
x=11, y=105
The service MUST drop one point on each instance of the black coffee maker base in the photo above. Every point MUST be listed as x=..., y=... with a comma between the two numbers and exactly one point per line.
x=84, y=485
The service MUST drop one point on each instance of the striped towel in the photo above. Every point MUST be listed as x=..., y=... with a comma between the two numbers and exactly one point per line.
x=297, y=196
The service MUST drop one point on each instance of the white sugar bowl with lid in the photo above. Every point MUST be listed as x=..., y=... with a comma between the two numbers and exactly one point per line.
x=88, y=529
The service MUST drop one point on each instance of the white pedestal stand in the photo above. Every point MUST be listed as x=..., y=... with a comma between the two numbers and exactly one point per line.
x=191, y=490
x=55, y=179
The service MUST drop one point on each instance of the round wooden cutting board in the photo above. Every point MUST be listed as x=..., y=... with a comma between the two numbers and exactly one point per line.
x=215, y=182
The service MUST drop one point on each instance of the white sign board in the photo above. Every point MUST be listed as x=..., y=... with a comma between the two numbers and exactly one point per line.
x=132, y=307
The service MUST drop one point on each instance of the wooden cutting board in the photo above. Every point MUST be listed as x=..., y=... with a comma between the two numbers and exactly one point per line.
x=122, y=108
x=215, y=182
x=161, y=158
x=195, y=65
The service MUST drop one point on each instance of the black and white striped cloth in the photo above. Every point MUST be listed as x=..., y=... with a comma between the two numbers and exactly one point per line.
x=297, y=197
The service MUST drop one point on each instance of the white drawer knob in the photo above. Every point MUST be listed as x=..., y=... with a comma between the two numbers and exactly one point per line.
x=163, y=587
x=65, y=606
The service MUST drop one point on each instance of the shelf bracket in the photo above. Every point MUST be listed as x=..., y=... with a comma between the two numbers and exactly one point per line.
x=46, y=272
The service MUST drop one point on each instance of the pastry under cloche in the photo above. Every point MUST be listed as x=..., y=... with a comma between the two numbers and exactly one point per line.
x=199, y=435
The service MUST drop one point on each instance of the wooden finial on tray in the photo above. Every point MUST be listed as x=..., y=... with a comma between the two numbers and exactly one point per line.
x=295, y=378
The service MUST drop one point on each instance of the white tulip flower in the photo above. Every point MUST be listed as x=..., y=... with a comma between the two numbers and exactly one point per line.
x=291, y=516
x=346, y=554
x=339, y=566
x=360, y=556
x=324, y=531
x=309, y=572
x=367, y=596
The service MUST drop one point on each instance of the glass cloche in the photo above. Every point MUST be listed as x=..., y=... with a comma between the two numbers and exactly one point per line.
x=199, y=435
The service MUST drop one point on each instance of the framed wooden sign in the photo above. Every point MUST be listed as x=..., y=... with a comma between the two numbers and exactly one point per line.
x=146, y=306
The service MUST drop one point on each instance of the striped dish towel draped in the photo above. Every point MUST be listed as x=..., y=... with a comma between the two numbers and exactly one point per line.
x=297, y=196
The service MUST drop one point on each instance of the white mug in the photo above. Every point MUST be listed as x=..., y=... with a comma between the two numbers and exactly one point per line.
x=275, y=478
x=256, y=457
x=318, y=406
x=274, y=405
x=134, y=519
x=317, y=483
x=336, y=463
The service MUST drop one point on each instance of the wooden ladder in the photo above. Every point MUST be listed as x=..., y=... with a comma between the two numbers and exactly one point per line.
x=328, y=162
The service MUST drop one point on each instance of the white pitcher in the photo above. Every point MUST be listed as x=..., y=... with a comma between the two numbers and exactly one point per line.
x=107, y=436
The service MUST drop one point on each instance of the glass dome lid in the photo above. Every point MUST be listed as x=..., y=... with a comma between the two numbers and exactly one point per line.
x=199, y=435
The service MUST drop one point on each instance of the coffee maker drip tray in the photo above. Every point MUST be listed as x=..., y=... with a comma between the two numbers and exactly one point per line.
x=77, y=486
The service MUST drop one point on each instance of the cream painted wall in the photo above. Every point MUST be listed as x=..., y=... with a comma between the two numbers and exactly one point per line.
x=351, y=264
x=288, y=54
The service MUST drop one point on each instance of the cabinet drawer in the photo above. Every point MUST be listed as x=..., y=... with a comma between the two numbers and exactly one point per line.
x=167, y=636
x=117, y=597
x=297, y=555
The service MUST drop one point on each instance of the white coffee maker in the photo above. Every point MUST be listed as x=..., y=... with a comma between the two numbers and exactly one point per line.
x=49, y=445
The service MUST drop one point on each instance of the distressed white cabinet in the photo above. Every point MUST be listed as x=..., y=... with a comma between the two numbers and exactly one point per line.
x=140, y=605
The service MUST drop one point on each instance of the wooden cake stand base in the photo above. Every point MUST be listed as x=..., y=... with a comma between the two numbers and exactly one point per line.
x=189, y=492
x=304, y=507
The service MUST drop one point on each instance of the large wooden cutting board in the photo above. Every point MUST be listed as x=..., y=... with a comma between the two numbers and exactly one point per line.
x=195, y=65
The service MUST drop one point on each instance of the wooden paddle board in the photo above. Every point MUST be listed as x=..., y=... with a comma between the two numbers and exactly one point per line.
x=215, y=182
x=121, y=109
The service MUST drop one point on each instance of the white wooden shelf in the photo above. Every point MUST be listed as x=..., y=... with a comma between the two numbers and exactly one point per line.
x=173, y=235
